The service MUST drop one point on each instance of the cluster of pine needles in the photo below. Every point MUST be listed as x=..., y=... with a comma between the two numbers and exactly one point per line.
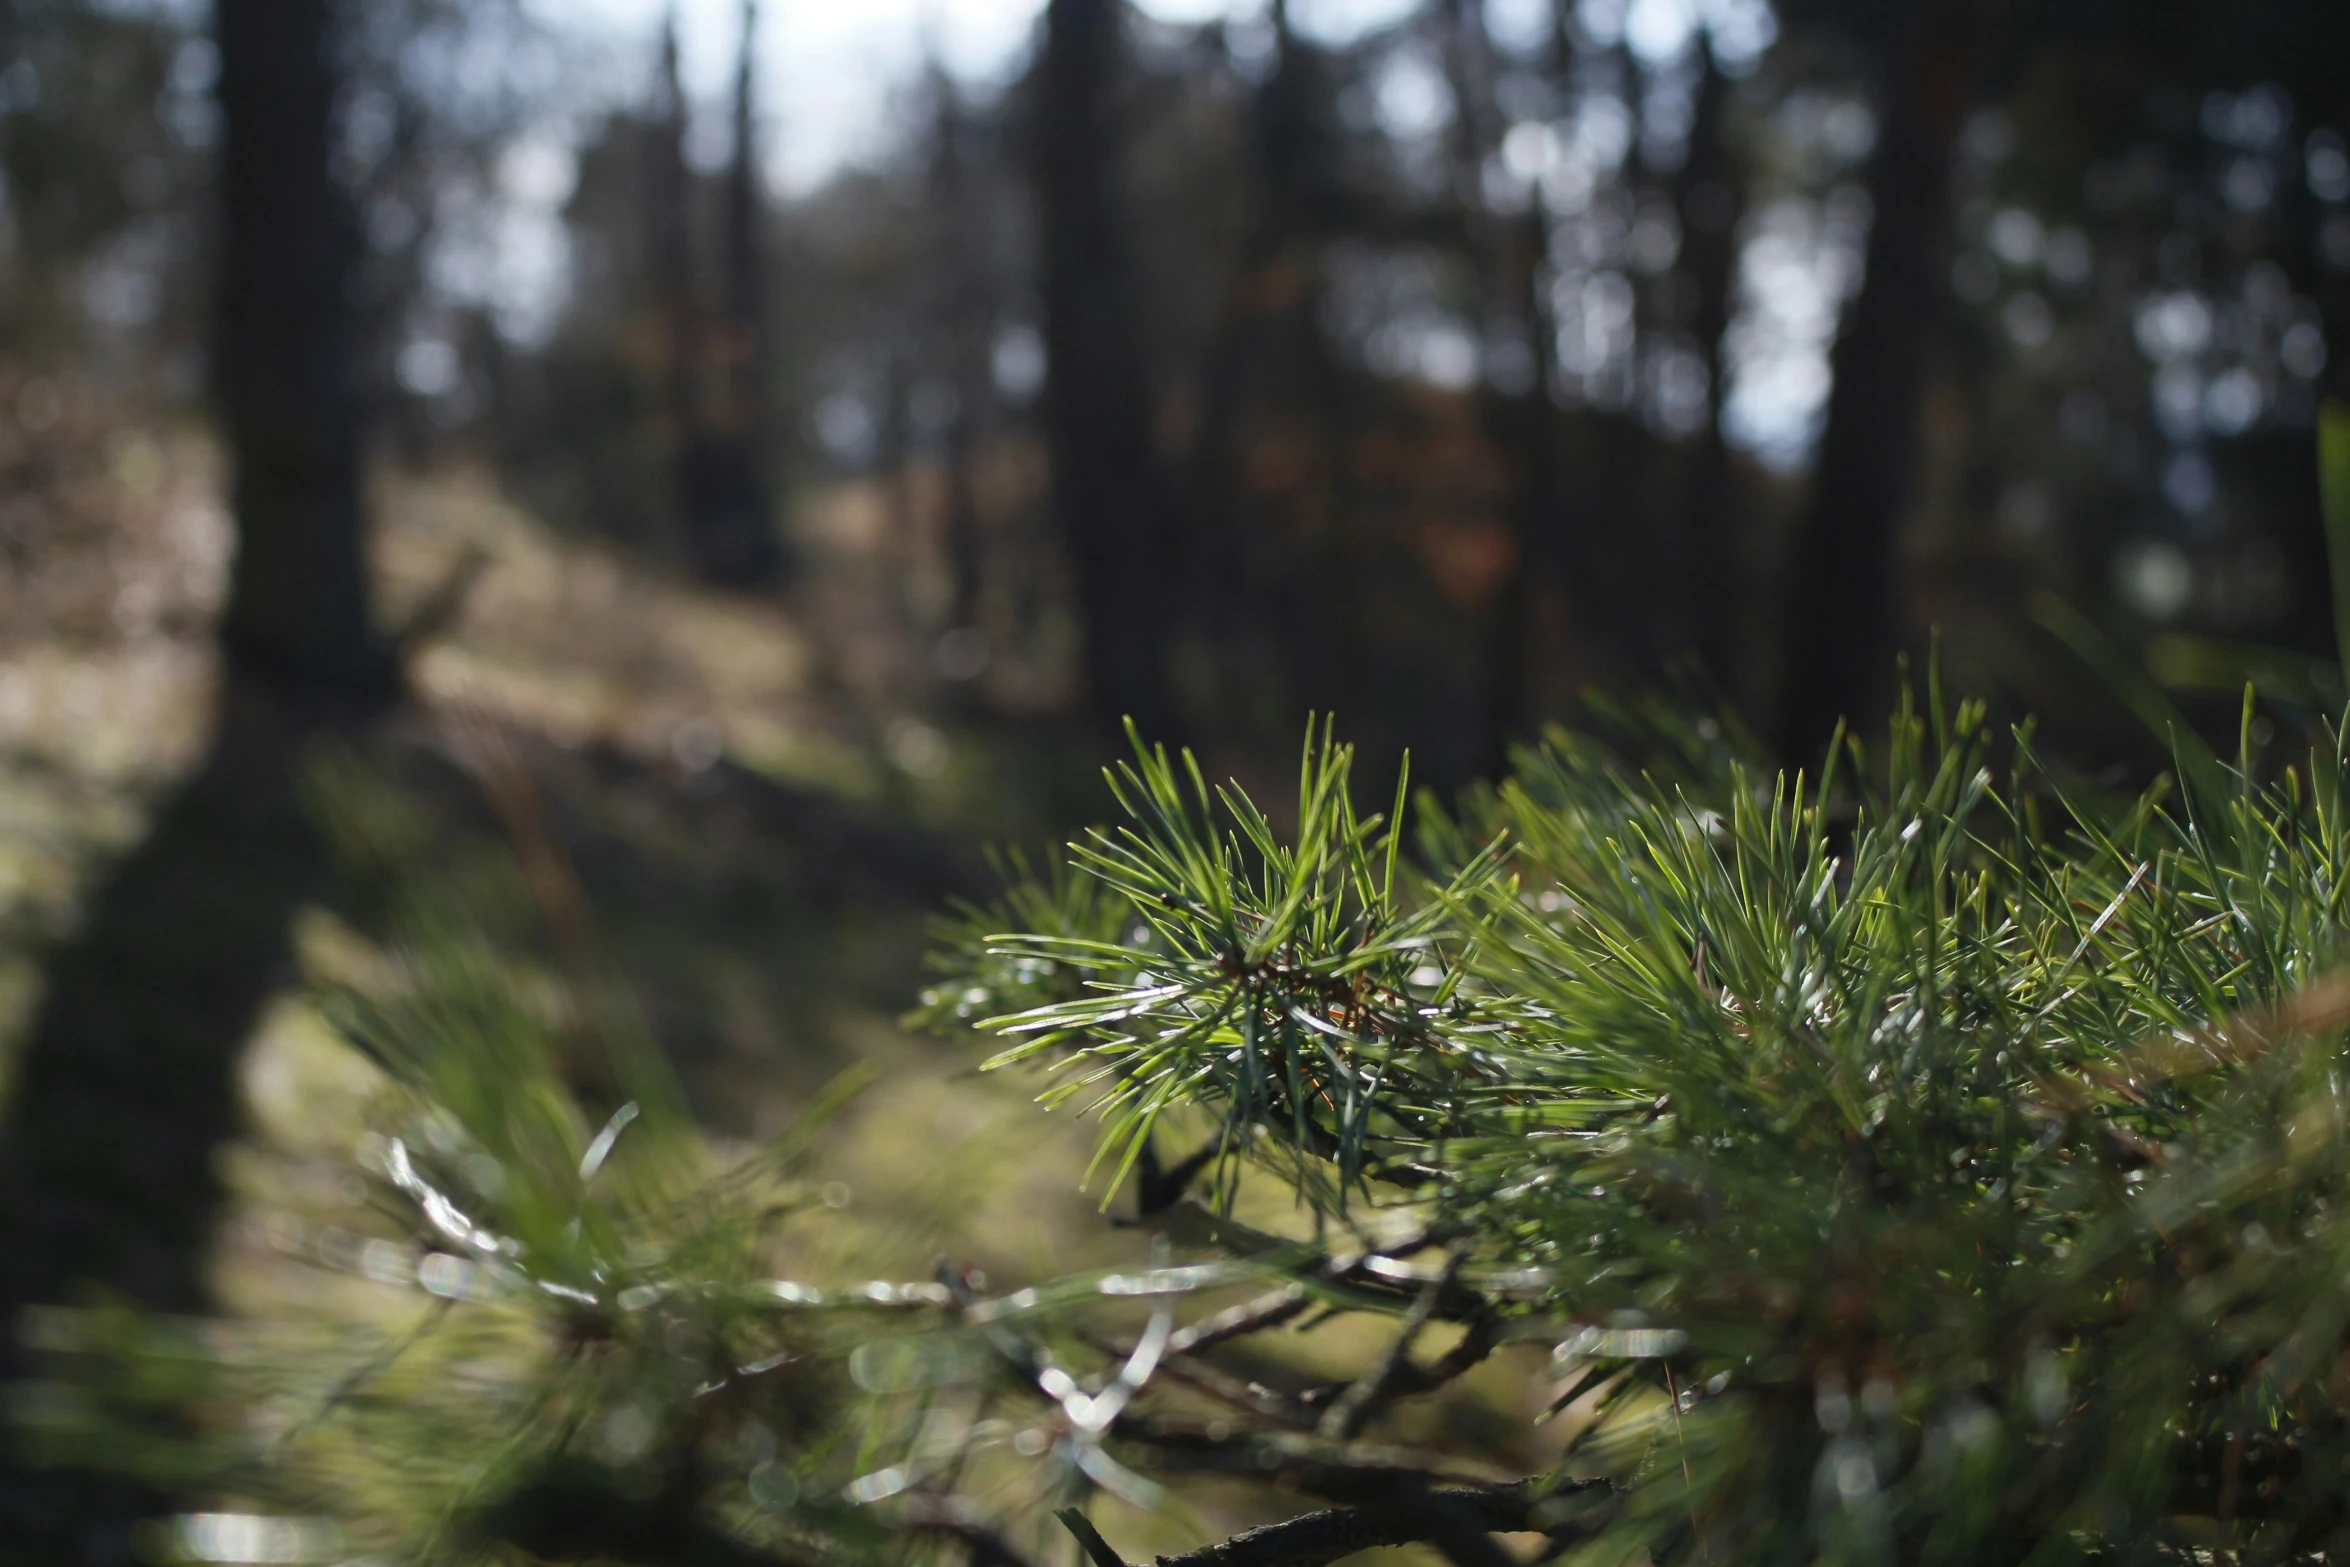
x=1931, y=1161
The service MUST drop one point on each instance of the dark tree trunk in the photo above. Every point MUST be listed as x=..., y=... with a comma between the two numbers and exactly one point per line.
x=1529, y=420
x=963, y=323
x=730, y=517
x=1842, y=623
x=125, y=1086
x=299, y=618
x=669, y=225
x=1241, y=318
x=1265, y=325
x=1710, y=546
x=1600, y=535
x=1107, y=489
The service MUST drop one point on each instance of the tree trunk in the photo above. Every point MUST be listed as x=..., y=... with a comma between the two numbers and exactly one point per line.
x=1266, y=319
x=1530, y=419
x=963, y=320
x=1107, y=489
x=299, y=619
x=730, y=517
x=1599, y=537
x=126, y=1083
x=669, y=222
x=1711, y=549
x=1842, y=623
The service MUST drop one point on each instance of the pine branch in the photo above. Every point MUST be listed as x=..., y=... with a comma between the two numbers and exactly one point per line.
x=1348, y=1411
x=1316, y=1539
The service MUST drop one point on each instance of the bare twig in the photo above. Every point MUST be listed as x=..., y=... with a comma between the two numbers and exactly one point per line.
x=1409, y=1377
x=360, y=1375
x=1213, y=1380
x=1310, y=1541
x=1317, y=1539
x=1097, y=1549
x=1346, y=1415
x=1351, y=1472
x=1255, y=1316
x=955, y=1518
x=1463, y=1533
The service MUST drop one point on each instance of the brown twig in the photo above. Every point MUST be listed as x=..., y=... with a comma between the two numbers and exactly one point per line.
x=1346, y=1415
x=1409, y=1377
x=1357, y=1473
x=1317, y=1539
x=1219, y=1384
x=957, y=1519
x=1253, y=1316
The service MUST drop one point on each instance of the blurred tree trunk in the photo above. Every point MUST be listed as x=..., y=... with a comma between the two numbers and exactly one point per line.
x=893, y=461
x=959, y=258
x=730, y=512
x=1709, y=205
x=1106, y=485
x=1259, y=595
x=668, y=223
x=1595, y=536
x=286, y=357
x=1513, y=249
x=126, y=1083
x=1280, y=202
x=1842, y=624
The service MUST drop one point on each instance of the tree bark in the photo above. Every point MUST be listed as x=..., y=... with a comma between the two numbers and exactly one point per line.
x=963, y=327
x=1107, y=489
x=1528, y=420
x=1709, y=216
x=299, y=619
x=730, y=516
x=125, y=1086
x=668, y=219
x=1842, y=624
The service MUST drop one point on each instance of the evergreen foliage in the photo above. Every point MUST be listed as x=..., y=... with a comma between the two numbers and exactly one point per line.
x=1933, y=1162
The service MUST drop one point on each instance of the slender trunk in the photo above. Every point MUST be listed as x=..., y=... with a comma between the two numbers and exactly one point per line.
x=1530, y=419
x=299, y=619
x=1596, y=536
x=1842, y=623
x=1268, y=312
x=1709, y=215
x=893, y=467
x=668, y=222
x=1275, y=210
x=963, y=327
x=1106, y=488
x=730, y=522
x=1533, y=421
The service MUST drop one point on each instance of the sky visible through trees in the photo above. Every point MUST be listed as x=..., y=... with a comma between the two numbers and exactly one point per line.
x=840, y=79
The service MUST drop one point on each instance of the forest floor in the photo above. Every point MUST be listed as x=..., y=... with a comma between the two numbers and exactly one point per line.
x=764, y=804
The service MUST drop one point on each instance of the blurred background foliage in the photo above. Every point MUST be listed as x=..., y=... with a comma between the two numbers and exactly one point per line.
x=757, y=536
x=1471, y=352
